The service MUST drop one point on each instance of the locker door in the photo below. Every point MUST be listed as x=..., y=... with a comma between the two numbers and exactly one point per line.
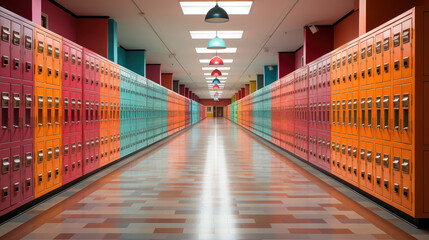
x=6, y=112
x=387, y=165
x=39, y=58
x=396, y=175
x=67, y=155
x=79, y=112
x=67, y=121
x=379, y=169
x=396, y=52
x=57, y=112
x=39, y=166
x=401, y=120
x=49, y=131
x=79, y=69
x=369, y=61
x=355, y=66
x=5, y=178
x=354, y=113
x=49, y=62
x=15, y=51
x=49, y=164
x=349, y=67
x=363, y=62
x=343, y=76
x=343, y=157
x=97, y=74
x=378, y=59
x=362, y=164
x=86, y=72
x=72, y=63
x=387, y=50
x=15, y=169
x=67, y=72
x=333, y=78
x=355, y=161
x=27, y=111
x=78, y=162
x=349, y=159
x=5, y=47
x=407, y=180
x=370, y=166
x=57, y=162
x=27, y=174
x=406, y=44
x=101, y=78
x=56, y=62
x=27, y=54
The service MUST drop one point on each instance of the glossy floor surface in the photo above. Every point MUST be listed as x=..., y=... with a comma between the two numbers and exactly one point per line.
x=213, y=181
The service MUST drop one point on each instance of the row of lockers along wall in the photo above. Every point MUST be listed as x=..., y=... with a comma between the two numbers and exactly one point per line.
x=66, y=111
x=357, y=112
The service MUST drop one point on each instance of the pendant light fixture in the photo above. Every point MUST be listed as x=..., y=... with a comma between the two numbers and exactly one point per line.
x=216, y=73
x=216, y=81
x=215, y=86
x=216, y=43
x=216, y=61
x=216, y=94
x=217, y=15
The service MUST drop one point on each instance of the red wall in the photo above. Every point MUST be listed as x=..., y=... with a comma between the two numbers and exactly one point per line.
x=298, y=56
x=59, y=21
x=93, y=33
x=286, y=63
x=318, y=44
x=29, y=9
x=167, y=80
x=153, y=72
x=346, y=30
x=211, y=102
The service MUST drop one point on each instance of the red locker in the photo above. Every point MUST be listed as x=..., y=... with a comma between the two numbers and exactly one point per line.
x=27, y=112
x=5, y=132
x=15, y=169
x=5, y=178
x=27, y=182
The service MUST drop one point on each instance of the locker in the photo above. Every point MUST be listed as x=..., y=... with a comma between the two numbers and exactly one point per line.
x=27, y=181
x=5, y=136
x=39, y=165
x=5, y=182
x=5, y=47
x=15, y=50
x=387, y=165
x=370, y=166
x=27, y=112
x=56, y=61
x=387, y=50
x=27, y=53
x=401, y=114
x=382, y=113
x=378, y=58
x=48, y=171
x=366, y=114
x=367, y=74
x=67, y=156
x=406, y=47
x=67, y=71
x=15, y=169
x=406, y=190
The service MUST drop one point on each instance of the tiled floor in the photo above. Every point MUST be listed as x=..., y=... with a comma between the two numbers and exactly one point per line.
x=214, y=181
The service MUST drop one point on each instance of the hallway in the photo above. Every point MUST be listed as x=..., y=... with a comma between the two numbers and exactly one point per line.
x=213, y=181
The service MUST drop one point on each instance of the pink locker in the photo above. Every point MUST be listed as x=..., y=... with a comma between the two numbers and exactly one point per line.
x=15, y=169
x=87, y=161
x=66, y=159
x=27, y=182
x=5, y=178
x=76, y=161
x=15, y=112
x=27, y=130
x=5, y=130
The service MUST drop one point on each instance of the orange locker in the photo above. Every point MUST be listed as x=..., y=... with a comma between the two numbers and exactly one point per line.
x=378, y=58
x=366, y=108
x=401, y=114
x=401, y=177
x=382, y=114
x=387, y=56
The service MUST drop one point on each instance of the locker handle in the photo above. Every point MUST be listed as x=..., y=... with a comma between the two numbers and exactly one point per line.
x=5, y=60
x=28, y=159
x=40, y=67
x=28, y=182
x=386, y=67
x=378, y=69
x=405, y=62
x=396, y=64
x=16, y=63
x=28, y=66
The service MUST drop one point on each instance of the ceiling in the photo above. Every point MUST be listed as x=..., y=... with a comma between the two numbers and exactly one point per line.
x=163, y=30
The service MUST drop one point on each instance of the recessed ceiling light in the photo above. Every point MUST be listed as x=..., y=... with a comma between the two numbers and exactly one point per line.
x=209, y=74
x=224, y=60
x=226, y=50
x=201, y=8
x=213, y=68
x=212, y=34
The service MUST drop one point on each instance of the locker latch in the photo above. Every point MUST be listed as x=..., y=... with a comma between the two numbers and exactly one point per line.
x=66, y=149
x=369, y=177
x=66, y=168
x=406, y=36
x=16, y=187
x=57, y=172
x=40, y=156
x=16, y=100
x=405, y=165
x=378, y=180
x=405, y=191
x=66, y=56
x=40, y=101
x=369, y=156
x=27, y=66
x=386, y=67
x=5, y=192
x=40, y=177
x=396, y=163
x=5, y=165
x=49, y=50
x=40, y=47
x=16, y=162
x=73, y=148
x=28, y=159
x=405, y=62
x=396, y=40
x=396, y=64
x=57, y=152
x=15, y=63
x=49, y=71
x=386, y=160
x=79, y=146
x=5, y=99
x=40, y=67
x=5, y=60
x=362, y=154
x=28, y=42
x=49, y=151
x=369, y=72
x=378, y=70
x=57, y=102
x=5, y=33
x=28, y=182
x=386, y=44
x=49, y=174
x=49, y=102
x=386, y=183
x=73, y=166
x=57, y=53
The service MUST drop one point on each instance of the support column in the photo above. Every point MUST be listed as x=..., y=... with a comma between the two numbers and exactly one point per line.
x=136, y=61
x=247, y=91
x=252, y=87
x=237, y=97
x=113, y=41
x=153, y=72
x=29, y=9
x=260, y=81
x=233, y=99
x=93, y=33
x=182, y=89
x=286, y=61
x=243, y=92
x=186, y=92
x=270, y=75
x=190, y=94
x=317, y=44
x=176, y=86
x=167, y=80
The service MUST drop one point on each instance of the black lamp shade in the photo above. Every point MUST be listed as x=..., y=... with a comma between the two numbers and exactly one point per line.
x=217, y=15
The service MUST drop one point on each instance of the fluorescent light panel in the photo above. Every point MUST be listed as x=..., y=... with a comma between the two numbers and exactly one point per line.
x=201, y=8
x=212, y=34
x=224, y=60
x=220, y=78
x=209, y=74
x=226, y=50
x=213, y=68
